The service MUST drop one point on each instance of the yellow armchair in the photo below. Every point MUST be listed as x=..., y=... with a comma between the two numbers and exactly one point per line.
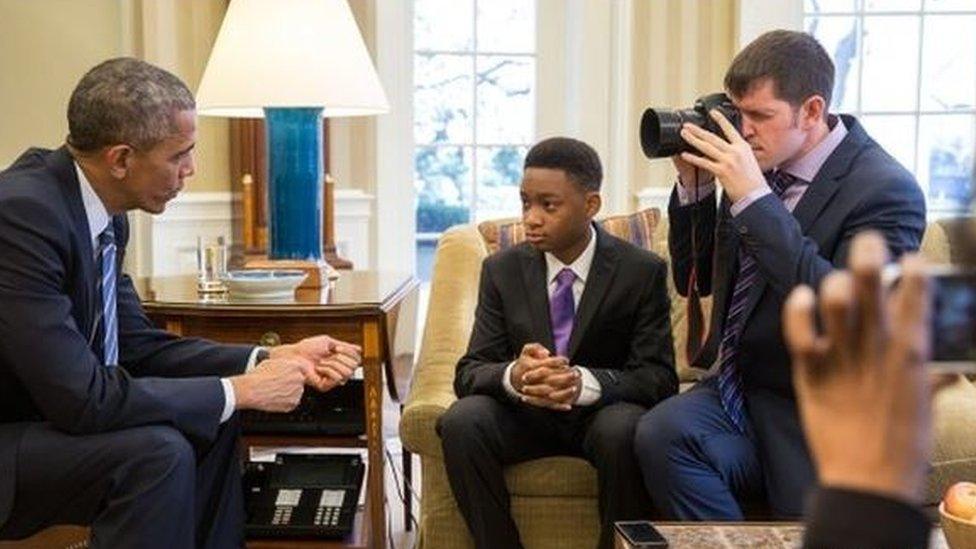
x=554, y=499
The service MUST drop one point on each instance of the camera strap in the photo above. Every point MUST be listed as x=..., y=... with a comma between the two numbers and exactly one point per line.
x=693, y=310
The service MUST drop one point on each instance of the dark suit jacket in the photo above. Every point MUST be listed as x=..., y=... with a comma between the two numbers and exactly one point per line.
x=622, y=331
x=49, y=313
x=859, y=187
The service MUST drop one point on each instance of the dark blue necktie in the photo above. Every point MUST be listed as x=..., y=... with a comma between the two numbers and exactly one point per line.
x=729, y=377
x=106, y=257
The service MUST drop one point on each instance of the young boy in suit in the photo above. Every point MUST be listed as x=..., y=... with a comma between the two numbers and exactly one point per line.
x=571, y=344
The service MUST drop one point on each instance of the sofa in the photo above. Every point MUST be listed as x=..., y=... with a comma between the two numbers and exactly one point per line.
x=554, y=499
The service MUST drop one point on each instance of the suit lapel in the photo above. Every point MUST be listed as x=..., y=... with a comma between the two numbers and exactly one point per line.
x=823, y=187
x=62, y=166
x=598, y=281
x=828, y=180
x=537, y=294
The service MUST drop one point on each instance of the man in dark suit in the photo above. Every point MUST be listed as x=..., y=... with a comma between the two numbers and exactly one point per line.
x=571, y=344
x=104, y=419
x=797, y=184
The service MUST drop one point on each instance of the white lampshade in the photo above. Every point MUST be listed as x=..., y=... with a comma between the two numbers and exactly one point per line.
x=289, y=53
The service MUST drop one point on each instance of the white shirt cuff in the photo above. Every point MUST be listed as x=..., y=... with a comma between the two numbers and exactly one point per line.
x=230, y=400
x=591, y=391
x=253, y=359
x=686, y=197
x=507, y=381
x=747, y=200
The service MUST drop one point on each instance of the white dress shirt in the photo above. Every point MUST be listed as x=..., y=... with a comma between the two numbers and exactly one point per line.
x=591, y=391
x=98, y=220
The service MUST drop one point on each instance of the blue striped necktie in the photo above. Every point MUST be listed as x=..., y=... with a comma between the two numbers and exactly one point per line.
x=106, y=257
x=729, y=377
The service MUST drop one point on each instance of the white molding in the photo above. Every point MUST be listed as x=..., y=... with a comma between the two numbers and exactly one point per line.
x=620, y=126
x=353, y=213
x=173, y=233
x=653, y=197
x=395, y=216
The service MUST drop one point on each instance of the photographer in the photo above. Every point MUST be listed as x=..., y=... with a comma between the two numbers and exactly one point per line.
x=797, y=184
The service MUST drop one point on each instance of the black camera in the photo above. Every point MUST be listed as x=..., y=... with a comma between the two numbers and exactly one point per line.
x=660, y=130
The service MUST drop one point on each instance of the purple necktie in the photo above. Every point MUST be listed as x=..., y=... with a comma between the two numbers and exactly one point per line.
x=729, y=377
x=562, y=310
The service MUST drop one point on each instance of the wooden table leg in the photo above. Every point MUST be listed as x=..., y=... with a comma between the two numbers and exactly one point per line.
x=373, y=382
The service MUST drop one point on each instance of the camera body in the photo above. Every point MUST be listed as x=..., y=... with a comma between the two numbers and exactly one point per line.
x=660, y=129
x=952, y=324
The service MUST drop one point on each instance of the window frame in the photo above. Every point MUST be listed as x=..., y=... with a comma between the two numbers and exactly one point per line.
x=859, y=13
x=475, y=146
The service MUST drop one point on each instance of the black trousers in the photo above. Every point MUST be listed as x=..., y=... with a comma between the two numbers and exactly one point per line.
x=145, y=487
x=481, y=435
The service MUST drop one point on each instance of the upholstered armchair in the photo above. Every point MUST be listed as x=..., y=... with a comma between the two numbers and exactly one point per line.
x=554, y=499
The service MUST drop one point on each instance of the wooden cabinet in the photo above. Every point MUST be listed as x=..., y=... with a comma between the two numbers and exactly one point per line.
x=376, y=310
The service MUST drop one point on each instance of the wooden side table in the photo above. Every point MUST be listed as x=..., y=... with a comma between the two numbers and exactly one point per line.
x=376, y=310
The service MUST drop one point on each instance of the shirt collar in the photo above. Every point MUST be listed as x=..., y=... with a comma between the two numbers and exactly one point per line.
x=808, y=165
x=581, y=267
x=95, y=211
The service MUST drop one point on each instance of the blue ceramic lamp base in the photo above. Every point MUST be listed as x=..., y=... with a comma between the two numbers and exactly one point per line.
x=295, y=194
x=295, y=178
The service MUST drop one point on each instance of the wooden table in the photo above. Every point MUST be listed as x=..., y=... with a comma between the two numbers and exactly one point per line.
x=771, y=535
x=376, y=310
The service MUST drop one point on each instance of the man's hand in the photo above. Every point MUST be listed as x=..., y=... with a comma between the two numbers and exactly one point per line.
x=732, y=162
x=532, y=365
x=557, y=389
x=689, y=175
x=331, y=362
x=275, y=385
x=863, y=391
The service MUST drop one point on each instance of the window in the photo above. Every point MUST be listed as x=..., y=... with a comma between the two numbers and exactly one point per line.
x=474, y=112
x=907, y=68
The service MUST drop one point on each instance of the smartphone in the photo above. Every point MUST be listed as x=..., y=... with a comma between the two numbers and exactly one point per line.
x=953, y=321
x=640, y=534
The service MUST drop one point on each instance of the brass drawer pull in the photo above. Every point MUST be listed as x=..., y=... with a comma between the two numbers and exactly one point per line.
x=270, y=339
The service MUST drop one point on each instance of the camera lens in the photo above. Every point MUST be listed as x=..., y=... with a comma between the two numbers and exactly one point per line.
x=660, y=129
x=659, y=133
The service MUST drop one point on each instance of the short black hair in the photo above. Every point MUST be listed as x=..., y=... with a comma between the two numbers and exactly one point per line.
x=795, y=62
x=125, y=100
x=580, y=162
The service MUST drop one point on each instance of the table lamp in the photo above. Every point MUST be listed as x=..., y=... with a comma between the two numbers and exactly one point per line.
x=291, y=62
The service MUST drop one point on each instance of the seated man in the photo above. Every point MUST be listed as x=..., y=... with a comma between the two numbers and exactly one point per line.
x=571, y=344
x=797, y=184
x=104, y=419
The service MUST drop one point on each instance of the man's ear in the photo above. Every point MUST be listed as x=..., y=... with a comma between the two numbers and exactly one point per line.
x=813, y=110
x=118, y=159
x=593, y=203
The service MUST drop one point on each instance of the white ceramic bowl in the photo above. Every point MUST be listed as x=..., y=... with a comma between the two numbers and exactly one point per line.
x=264, y=283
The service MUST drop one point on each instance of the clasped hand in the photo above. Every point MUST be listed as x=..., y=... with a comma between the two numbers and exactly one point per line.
x=329, y=362
x=544, y=380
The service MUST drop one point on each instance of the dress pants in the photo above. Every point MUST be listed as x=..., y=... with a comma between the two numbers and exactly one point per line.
x=695, y=464
x=481, y=435
x=145, y=487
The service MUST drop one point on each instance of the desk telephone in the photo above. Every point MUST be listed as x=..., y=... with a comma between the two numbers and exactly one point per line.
x=302, y=495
